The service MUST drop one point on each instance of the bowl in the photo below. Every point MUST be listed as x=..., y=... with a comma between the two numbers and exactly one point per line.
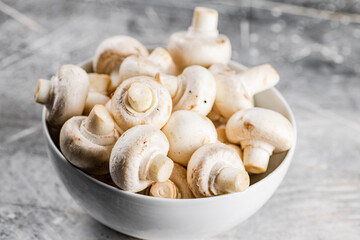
x=156, y=218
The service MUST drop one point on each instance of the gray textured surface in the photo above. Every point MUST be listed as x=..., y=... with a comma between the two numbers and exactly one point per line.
x=317, y=56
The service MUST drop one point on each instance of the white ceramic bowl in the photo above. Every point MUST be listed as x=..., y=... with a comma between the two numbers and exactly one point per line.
x=155, y=218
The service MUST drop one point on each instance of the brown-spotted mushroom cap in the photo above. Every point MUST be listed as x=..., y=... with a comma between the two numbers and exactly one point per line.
x=201, y=44
x=64, y=95
x=260, y=132
x=175, y=187
x=235, y=92
x=141, y=100
x=98, y=91
x=195, y=89
x=216, y=169
x=139, y=158
x=159, y=61
x=112, y=51
x=87, y=142
x=186, y=132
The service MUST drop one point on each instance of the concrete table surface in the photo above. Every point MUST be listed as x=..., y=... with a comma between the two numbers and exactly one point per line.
x=317, y=54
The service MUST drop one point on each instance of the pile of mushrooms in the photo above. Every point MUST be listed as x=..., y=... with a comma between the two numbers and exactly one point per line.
x=174, y=122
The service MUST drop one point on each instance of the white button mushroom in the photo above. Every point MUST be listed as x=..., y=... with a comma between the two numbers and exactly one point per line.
x=223, y=139
x=260, y=132
x=159, y=61
x=235, y=92
x=87, y=142
x=92, y=99
x=139, y=158
x=97, y=92
x=216, y=169
x=186, y=132
x=215, y=116
x=201, y=44
x=99, y=83
x=141, y=100
x=64, y=95
x=175, y=187
x=193, y=90
x=110, y=54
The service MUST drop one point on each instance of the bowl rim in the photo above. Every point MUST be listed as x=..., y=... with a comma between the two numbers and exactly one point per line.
x=287, y=158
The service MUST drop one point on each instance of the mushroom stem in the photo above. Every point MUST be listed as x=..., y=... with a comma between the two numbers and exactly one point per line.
x=256, y=158
x=160, y=168
x=205, y=20
x=259, y=78
x=231, y=179
x=160, y=56
x=165, y=189
x=99, y=121
x=43, y=91
x=140, y=97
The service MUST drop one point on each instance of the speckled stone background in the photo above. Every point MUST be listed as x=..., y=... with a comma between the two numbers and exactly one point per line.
x=315, y=45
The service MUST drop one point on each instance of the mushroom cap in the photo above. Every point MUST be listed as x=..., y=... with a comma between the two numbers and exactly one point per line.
x=179, y=178
x=137, y=65
x=231, y=95
x=175, y=187
x=222, y=134
x=206, y=163
x=85, y=150
x=69, y=91
x=194, y=49
x=92, y=99
x=158, y=113
x=186, y=132
x=215, y=116
x=196, y=92
x=99, y=83
x=112, y=51
x=262, y=125
x=131, y=153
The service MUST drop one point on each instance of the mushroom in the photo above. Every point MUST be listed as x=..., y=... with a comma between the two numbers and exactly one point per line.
x=260, y=132
x=64, y=95
x=223, y=139
x=93, y=99
x=139, y=158
x=201, y=44
x=235, y=92
x=215, y=116
x=86, y=142
x=141, y=100
x=99, y=83
x=216, y=169
x=175, y=187
x=159, y=61
x=97, y=92
x=193, y=90
x=186, y=132
x=110, y=54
